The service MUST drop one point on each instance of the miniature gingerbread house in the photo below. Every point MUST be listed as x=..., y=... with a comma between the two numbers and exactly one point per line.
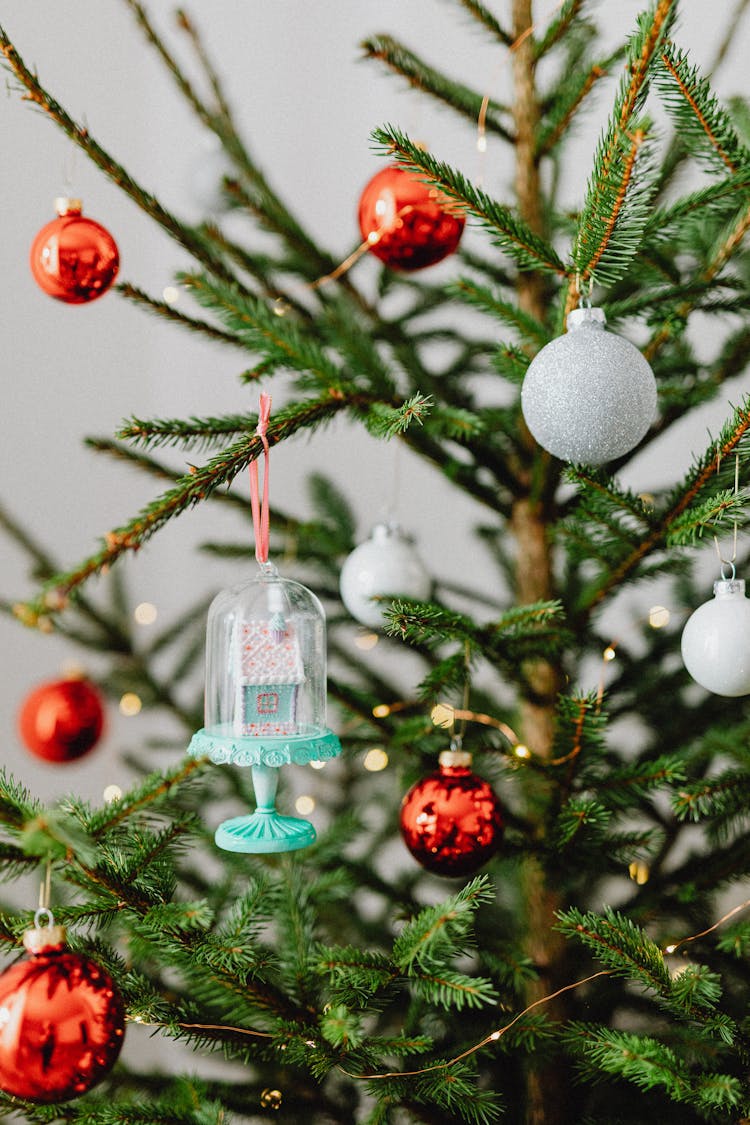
x=270, y=673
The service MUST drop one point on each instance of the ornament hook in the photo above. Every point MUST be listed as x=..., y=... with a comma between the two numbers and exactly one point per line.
x=584, y=297
x=43, y=913
x=45, y=889
x=729, y=562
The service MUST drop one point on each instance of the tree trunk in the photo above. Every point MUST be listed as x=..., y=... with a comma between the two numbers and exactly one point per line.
x=547, y=1086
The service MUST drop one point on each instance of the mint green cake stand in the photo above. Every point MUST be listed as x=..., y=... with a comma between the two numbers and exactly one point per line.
x=265, y=831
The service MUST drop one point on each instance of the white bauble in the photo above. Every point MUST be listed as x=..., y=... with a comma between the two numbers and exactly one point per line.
x=385, y=565
x=716, y=640
x=588, y=396
x=207, y=173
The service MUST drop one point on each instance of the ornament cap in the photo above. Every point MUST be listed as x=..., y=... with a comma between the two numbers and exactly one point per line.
x=386, y=530
x=586, y=317
x=729, y=588
x=67, y=205
x=455, y=759
x=44, y=939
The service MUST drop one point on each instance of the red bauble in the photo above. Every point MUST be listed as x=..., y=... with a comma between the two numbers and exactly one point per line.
x=74, y=259
x=407, y=223
x=62, y=1022
x=61, y=720
x=451, y=820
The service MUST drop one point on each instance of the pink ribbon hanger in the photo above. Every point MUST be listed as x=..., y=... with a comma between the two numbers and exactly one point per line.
x=260, y=507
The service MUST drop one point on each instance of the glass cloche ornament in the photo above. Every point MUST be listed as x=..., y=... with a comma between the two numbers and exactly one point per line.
x=265, y=704
x=265, y=699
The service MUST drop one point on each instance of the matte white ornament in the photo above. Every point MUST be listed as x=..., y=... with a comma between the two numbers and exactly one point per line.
x=589, y=396
x=207, y=173
x=384, y=565
x=716, y=640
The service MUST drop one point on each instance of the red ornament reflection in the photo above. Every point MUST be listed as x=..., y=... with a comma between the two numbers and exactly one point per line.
x=61, y=720
x=407, y=223
x=62, y=1024
x=74, y=259
x=451, y=821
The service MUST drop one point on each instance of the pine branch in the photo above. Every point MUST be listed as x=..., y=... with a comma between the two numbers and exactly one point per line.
x=488, y=21
x=708, y=515
x=731, y=440
x=666, y=221
x=186, y=88
x=625, y=786
x=723, y=796
x=278, y=338
x=438, y=932
x=184, y=235
x=168, y=312
x=619, y=944
x=488, y=300
x=578, y=733
x=187, y=433
x=188, y=26
x=423, y=77
x=386, y=421
x=510, y=233
x=728, y=244
x=156, y=468
x=256, y=193
x=617, y=207
x=616, y=153
x=568, y=101
x=697, y=113
x=187, y=492
x=649, y=1064
x=566, y=15
x=643, y=51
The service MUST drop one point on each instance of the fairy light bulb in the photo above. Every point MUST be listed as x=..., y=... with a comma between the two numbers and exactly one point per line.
x=375, y=759
x=130, y=704
x=658, y=616
x=145, y=613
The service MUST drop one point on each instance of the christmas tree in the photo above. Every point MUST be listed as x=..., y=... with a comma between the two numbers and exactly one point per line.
x=552, y=927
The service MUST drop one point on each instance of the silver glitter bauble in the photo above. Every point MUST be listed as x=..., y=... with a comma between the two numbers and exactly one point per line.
x=589, y=396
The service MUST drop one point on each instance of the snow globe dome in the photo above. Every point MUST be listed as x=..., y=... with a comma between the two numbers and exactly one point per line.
x=265, y=699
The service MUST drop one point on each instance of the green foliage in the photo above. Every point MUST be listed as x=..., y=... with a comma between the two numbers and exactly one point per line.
x=617, y=205
x=438, y=930
x=344, y=975
x=697, y=113
x=650, y=1065
x=385, y=421
x=489, y=301
x=619, y=944
x=508, y=232
x=418, y=74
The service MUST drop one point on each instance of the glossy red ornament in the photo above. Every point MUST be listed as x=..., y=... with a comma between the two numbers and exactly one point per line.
x=62, y=1021
x=61, y=720
x=451, y=820
x=74, y=259
x=407, y=223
